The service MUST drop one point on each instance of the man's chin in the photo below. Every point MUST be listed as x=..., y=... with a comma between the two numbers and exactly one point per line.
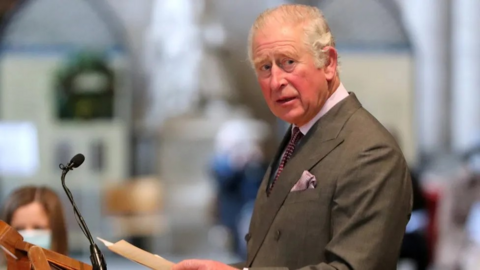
x=291, y=119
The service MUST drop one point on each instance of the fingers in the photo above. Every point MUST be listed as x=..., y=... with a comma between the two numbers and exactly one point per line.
x=189, y=265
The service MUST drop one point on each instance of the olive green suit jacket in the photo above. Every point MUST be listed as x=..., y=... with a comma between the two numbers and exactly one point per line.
x=356, y=216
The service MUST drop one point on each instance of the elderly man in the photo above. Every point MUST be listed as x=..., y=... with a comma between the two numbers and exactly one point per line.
x=338, y=193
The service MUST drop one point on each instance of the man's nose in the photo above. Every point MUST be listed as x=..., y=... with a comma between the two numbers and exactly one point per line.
x=277, y=81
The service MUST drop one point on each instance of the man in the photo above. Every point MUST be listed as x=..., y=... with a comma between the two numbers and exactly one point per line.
x=338, y=194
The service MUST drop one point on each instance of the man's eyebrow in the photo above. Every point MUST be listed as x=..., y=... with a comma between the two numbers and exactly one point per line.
x=281, y=53
x=289, y=53
x=260, y=60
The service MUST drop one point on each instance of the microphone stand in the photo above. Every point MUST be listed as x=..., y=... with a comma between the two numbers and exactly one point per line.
x=96, y=256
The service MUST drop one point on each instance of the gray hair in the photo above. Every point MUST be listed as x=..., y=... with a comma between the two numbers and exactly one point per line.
x=317, y=31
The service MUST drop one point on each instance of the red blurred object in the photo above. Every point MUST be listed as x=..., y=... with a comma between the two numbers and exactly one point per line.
x=432, y=198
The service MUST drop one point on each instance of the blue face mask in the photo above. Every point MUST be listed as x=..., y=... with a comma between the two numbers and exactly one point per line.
x=41, y=238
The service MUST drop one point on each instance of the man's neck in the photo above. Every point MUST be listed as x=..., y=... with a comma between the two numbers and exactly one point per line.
x=333, y=85
x=338, y=95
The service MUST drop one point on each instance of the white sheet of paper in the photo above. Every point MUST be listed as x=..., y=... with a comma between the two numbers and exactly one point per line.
x=135, y=254
x=105, y=242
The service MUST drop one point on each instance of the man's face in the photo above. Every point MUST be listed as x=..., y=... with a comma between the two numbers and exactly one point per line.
x=294, y=88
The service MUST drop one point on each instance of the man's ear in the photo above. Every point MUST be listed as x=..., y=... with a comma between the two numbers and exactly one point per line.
x=330, y=68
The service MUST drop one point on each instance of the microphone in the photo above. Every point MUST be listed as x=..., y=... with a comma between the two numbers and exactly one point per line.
x=96, y=256
x=76, y=161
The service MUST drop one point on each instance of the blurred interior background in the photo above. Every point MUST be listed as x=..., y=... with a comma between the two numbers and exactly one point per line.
x=158, y=93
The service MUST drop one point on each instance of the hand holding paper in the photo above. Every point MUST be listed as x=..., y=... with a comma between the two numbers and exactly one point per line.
x=201, y=265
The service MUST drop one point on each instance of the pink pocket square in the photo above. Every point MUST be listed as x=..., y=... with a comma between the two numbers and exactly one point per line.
x=306, y=181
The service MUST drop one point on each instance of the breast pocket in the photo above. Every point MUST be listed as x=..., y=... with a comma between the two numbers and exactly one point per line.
x=308, y=195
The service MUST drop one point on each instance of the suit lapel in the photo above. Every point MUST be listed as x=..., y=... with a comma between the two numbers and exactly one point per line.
x=268, y=207
x=315, y=146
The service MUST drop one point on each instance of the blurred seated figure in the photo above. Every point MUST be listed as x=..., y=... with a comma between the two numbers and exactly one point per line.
x=37, y=214
x=459, y=218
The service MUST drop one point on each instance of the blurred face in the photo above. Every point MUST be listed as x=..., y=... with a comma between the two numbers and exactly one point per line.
x=294, y=88
x=30, y=217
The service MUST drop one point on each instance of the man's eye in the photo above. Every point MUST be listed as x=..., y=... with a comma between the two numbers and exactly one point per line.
x=288, y=65
x=265, y=67
x=289, y=62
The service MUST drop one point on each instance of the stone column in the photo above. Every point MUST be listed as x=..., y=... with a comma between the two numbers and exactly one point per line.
x=465, y=74
x=427, y=23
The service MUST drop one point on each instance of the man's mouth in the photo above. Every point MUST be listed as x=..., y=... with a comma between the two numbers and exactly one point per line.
x=284, y=100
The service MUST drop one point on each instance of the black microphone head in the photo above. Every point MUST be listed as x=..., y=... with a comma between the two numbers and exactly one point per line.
x=77, y=160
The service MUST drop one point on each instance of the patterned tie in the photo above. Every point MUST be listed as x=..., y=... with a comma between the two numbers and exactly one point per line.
x=296, y=136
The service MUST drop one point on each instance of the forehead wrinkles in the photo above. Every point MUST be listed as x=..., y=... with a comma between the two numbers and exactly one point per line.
x=274, y=48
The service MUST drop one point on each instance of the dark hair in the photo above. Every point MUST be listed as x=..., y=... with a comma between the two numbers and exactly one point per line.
x=52, y=205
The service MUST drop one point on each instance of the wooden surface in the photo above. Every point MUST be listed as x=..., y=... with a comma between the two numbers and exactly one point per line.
x=27, y=254
x=38, y=259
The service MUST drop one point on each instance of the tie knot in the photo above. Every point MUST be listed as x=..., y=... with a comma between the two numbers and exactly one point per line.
x=296, y=135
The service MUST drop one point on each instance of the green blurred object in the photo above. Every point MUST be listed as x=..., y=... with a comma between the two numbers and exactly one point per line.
x=84, y=88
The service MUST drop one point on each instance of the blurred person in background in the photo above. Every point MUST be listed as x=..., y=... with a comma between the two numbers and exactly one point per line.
x=459, y=218
x=37, y=214
x=338, y=194
x=238, y=167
